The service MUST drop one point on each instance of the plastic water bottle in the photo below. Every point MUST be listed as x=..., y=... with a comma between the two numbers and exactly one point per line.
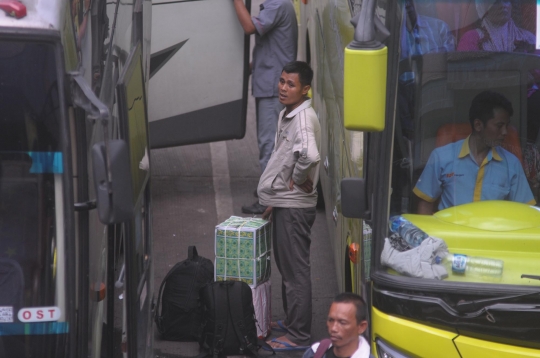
x=471, y=265
x=407, y=230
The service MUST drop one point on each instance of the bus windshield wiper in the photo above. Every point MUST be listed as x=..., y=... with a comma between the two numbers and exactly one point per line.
x=532, y=277
x=464, y=306
x=462, y=312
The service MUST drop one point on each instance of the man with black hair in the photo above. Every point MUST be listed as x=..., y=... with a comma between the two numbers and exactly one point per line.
x=346, y=324
x=288, y=189
x=476, y=168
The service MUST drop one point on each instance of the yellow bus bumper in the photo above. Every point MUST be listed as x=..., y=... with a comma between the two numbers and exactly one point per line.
x=418, y=340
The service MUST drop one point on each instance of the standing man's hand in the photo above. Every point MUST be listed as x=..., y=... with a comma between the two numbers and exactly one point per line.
x=244, y=17
x=267, y=215
x=306, y=186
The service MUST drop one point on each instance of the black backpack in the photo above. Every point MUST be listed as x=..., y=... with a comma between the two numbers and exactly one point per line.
x=181, y=313
x=229, y=316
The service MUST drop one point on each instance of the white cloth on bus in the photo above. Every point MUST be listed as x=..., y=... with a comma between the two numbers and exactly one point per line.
x=144, y=164
x=417, y=262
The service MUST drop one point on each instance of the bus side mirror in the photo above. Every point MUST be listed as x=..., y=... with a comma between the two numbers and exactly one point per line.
x=112, y=181
x=353, y=198
x=364, y=69
x=364, y=89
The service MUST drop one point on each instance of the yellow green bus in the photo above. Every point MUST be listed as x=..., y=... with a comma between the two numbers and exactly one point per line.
x=391, y=87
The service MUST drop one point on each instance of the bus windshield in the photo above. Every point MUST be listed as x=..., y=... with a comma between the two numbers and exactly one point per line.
x=32, y=293
x=466, y=158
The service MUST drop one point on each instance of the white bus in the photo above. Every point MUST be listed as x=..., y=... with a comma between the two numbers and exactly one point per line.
x=76, y=276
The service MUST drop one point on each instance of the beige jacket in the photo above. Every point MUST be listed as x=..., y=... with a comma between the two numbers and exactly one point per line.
x=295, y=155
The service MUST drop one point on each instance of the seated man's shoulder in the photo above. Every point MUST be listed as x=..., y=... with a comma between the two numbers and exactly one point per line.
x=505, y=154
x=448, y=151
x=432, y=21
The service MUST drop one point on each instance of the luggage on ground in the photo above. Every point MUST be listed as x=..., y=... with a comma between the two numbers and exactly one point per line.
x=243, y=247
x=262, y=297
x=180, y=318
x=229, y=319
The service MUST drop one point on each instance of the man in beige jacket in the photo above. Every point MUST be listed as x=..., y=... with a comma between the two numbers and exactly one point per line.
x=288, y=189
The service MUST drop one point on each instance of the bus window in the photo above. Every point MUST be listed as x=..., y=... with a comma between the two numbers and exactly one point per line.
x=495, y=52
x=438, y=81
x=31, y=200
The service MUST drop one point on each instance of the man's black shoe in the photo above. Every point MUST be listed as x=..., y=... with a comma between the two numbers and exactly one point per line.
x=256, y=208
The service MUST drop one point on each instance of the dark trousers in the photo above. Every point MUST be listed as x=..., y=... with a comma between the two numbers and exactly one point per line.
x=267, y=109
x=292, y=229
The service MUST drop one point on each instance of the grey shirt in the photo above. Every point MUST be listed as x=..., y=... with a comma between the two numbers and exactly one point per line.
x=295, y=156
x=276, y=43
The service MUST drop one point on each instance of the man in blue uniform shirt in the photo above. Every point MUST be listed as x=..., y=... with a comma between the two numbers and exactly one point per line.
x=475, y=168
x=276, y=42
x=423, y=34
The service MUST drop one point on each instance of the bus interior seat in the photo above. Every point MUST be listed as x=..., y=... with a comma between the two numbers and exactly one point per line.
x=433, y=102
x=20, y=193
x=436, y=109
x=430, y=123
x=452, y=132
x=11, y=284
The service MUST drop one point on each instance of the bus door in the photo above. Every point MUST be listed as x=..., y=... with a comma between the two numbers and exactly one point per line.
x=116, y=254
x=198, y=73
x=112, y=40
x=138, y=256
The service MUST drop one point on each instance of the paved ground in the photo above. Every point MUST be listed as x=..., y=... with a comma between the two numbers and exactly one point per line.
x=186, y=207
x=196, y=187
